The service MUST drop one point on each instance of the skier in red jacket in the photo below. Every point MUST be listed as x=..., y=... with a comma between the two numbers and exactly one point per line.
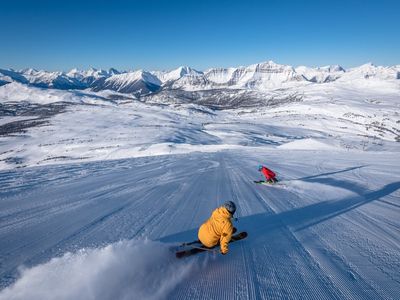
x=270, y=176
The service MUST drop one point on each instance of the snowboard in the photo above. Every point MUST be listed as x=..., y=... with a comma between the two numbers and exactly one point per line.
x=194, y=250
x=265, y=182
x=275, y=184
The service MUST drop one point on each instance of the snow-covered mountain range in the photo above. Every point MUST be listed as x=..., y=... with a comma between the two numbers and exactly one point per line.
x=261, y=76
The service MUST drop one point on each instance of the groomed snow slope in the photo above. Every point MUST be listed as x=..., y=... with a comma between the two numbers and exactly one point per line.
x=102, y=230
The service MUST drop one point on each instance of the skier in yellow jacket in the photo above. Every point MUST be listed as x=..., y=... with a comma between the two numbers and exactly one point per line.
x=218, y=228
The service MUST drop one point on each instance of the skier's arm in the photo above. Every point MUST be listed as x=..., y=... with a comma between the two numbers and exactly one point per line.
x=226, y=237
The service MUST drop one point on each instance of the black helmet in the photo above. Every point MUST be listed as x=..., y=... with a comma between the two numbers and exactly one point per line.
x=230, y=206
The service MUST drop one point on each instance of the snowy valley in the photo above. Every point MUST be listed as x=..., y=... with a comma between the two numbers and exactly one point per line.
x=102, y=172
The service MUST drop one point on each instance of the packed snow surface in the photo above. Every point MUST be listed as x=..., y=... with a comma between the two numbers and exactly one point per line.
x=103, y=230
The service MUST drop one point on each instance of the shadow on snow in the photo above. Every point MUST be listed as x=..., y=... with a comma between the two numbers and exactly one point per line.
x=298, y=219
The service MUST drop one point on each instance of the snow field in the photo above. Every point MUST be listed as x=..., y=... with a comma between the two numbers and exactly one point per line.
x=94, y=128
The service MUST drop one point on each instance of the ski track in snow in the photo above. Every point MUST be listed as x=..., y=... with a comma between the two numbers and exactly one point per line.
x=330, y=231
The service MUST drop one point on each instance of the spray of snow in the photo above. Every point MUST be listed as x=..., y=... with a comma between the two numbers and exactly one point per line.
x=125, y=270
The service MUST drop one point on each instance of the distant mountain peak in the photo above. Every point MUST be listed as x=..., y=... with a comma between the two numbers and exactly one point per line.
x=113, y=71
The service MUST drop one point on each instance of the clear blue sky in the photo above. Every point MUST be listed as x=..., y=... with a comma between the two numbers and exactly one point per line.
x=164, y=34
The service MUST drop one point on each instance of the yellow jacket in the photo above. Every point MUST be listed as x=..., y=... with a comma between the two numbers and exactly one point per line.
x=218, y=228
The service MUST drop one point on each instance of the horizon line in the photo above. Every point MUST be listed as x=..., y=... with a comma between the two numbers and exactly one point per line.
x=183, y=66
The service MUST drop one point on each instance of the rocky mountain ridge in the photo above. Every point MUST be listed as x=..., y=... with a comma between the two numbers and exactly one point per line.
x=259, y=77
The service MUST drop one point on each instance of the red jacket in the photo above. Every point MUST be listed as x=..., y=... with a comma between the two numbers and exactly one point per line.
x=268, y=173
